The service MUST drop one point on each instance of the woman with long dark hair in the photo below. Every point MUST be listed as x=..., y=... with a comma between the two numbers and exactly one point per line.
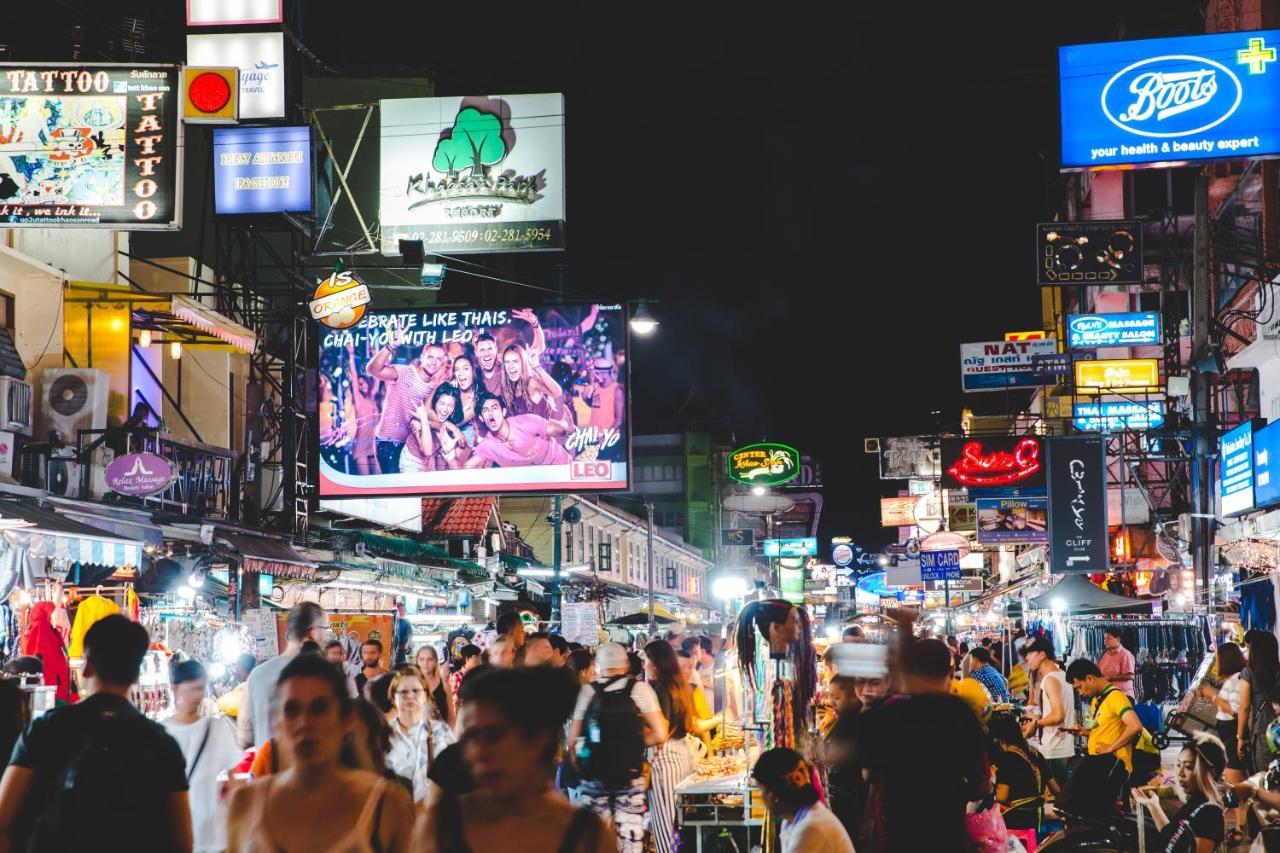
x=1022, y=775
x=671, y=762
x=428, y=662
x=1225, y=698
x=429, y=448
x=785, y=628
x=464, y=380
x=1259, y=687
x=317, y=803
x=527, y=388
x=787, y=791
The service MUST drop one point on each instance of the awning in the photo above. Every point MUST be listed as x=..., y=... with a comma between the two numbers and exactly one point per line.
x=413, y=551
x=210, y=321
x=56, y=537
x=1076, y=594
x=267, y=556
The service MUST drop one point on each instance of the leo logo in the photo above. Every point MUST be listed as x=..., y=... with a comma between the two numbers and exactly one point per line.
x=595, y=469
x=1170, y=96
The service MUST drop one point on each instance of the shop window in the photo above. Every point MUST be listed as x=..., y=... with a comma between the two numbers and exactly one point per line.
x=671, y=577
x=604, y=561
x=6, y=312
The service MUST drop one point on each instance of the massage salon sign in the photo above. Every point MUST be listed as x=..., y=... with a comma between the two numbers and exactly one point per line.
x=1164, y=101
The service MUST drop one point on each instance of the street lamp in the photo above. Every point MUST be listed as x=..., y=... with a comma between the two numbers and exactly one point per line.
x=643, y=323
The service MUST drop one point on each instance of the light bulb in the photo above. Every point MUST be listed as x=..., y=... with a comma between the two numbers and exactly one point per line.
x=144, y=338
x=175, y=350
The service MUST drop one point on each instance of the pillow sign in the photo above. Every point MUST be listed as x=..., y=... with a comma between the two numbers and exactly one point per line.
x=140, y=474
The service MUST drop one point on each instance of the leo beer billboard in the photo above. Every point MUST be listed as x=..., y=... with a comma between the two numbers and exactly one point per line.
x=460, y=401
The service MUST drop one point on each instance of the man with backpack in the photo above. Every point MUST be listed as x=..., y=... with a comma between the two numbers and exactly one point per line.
x=615, y=719
x=99, y=774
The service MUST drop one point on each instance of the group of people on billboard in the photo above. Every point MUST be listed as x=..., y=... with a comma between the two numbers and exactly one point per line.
x=405, y=393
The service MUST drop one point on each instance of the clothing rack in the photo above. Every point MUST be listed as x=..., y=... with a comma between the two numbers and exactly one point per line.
x=1167, y=652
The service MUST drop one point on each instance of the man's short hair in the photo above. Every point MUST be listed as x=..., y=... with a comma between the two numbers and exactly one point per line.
x=1081, y=668
x=485, y=397
x=304, y=616
x=853, y=632
x=507, y=620
x=115, y=646
x=372, y=642
x=986, y=642
x=685, y=654
x=1113, y=631
x=558, y=643
x=927, y=658
x=485, y=336
x=704, y=642
x=332, y=644
x=688, y=644
x=981, y=655
x=469, y=651
x=186, y=670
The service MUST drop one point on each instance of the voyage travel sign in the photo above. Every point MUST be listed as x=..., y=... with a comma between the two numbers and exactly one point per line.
x=766, y=464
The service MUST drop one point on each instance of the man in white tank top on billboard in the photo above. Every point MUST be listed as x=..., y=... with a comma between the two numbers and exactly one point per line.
x=1056, y=703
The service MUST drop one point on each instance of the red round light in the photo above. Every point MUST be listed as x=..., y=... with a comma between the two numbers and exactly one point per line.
x=209, y=92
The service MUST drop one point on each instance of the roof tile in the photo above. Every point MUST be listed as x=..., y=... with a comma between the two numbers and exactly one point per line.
x=456, y=516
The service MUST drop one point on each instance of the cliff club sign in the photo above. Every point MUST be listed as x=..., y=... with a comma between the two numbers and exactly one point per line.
x=1163, y=101
x=765, y=464
x=140, y=474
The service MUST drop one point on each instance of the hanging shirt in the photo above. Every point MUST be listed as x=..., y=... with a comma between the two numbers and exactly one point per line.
x=91, y=610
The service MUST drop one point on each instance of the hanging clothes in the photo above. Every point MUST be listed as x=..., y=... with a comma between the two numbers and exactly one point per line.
x=1167, y=652
x=93, y=609
x=1257, y=605
x=42, y=640
x=60, y=618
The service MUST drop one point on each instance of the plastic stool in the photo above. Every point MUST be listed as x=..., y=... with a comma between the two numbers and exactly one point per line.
x=1027, y=837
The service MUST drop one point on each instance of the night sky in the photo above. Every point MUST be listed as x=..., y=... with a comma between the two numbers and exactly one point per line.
x=825, y=199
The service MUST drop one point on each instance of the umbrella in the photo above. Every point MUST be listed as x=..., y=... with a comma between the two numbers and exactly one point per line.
x=641, y=617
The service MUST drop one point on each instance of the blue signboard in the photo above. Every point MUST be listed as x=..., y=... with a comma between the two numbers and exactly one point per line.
x=1007, y=521
x=1118, y=415
x=1235, y=456
x=939, y=565
x=805, y=547
x=261, y=170
x=1113, y=330
x=1199, y=97
x=1266, y=465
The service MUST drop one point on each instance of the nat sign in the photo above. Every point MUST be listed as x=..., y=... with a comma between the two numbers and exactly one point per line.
x=993, y=462
x=996, y=365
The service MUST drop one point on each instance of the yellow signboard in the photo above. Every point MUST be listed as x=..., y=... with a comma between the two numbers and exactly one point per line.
x=1037, y=335
x=1139, y=375
x=898, y=512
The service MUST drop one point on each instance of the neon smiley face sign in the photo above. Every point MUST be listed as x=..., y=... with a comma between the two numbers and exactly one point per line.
x=998, y=462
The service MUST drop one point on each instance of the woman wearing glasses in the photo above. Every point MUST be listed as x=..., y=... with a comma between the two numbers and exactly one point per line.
x=416, y=736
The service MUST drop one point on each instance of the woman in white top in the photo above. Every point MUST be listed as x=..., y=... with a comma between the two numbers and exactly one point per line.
x=1226, y=703
x=417, y=736
x=209, y=746
x=787, y=791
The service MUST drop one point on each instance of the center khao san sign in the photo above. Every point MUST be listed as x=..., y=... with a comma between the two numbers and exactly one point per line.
x=766, y=464
x=993, y=462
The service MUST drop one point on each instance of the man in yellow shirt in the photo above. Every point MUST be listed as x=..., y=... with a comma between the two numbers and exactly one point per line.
x=1117, y=729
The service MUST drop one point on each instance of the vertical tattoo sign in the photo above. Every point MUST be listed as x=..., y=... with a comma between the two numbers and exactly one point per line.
x=1077, y=504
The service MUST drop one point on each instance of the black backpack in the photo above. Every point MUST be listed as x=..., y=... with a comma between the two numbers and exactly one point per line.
x=104, y=783
x=612, y=749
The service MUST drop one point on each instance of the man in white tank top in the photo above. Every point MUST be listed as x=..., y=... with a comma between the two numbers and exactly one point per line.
x=1056, y=704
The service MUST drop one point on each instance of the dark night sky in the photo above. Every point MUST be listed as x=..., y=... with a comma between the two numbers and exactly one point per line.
x=826, y=198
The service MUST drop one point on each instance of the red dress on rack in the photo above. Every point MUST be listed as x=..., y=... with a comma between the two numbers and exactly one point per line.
x=43, y=640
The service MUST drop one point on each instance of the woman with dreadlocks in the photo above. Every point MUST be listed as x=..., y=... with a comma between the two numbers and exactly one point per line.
x=792, y=680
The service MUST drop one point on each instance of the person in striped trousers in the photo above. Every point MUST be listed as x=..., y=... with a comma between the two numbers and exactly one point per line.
x=670, y=762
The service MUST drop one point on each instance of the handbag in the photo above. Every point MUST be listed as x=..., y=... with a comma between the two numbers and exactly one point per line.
x=987, y=830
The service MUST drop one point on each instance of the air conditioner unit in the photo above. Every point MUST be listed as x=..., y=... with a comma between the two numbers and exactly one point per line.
x=73, y=399
x=16, y=405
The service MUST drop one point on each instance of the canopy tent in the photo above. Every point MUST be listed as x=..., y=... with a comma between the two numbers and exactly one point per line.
x=1076, y=594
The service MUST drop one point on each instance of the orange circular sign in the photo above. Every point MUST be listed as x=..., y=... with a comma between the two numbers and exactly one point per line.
x=340, y=300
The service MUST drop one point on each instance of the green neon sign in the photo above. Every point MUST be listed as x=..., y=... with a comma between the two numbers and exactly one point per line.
x=766, y=464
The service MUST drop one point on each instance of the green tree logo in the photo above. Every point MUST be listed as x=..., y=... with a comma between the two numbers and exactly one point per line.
x=474, y=141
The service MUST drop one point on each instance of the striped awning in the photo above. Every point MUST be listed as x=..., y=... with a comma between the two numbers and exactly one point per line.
x=207, y=320
x=58, y=538
x=267, y=556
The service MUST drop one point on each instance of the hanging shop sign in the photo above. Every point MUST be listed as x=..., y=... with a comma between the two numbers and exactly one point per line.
x=993, y=462
x=842, y=554
x=767, y=464
x=140, y=474
x=1036, y=335
x=493, y=423
x=233, y=13
x=90, y=146
x=1085, y=253
x=905, y=457
x=210, y=95
x=1235, y=484
x=1118, y=415
x=261, y=170
x=898, y=512
x=1134, y=375
x=737, y=538
x=806, y=546
x=474, y=174
x=791, y=584
x=259, y=56
x=1077, y=504
x=996, y=365
x=1170, y=100
x=1139, y=328
x=963, y=585
x=962, y=515
x=1013, y=521
x=1266, y=465
x=939, y=565
x=340, y=301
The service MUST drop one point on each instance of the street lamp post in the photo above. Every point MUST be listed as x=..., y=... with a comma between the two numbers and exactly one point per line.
x=648, y=506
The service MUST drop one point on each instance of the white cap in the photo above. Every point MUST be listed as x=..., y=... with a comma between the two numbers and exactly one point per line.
x=611, y=656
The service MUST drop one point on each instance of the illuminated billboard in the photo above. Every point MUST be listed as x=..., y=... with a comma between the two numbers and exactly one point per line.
x=1135, y=375
x=1008, y=521
x=1090, y=252
x=1235, y=476
x=993, y=462
x=767, y=464
x=457, y=401
x=262, y=170
x=1117, y=415
x=1169, y=100
x=90, y=146
x=996, y=365
x=259, y=56
x=474, y=174
x=233, y=13
x=1140, y=328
